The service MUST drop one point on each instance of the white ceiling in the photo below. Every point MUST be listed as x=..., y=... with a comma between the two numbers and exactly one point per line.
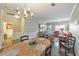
x=43, y=11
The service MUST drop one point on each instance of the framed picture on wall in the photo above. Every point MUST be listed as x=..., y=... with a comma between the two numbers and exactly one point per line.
x=9, y=26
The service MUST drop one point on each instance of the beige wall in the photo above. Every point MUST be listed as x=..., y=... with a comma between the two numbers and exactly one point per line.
x=30, y=26
x=74, y=28
x=17, y=25
x=1, y=33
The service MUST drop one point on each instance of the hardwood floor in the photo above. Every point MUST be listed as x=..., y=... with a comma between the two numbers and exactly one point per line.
x=56, y=49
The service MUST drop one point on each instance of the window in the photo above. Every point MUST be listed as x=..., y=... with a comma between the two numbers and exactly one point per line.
x=58, y=27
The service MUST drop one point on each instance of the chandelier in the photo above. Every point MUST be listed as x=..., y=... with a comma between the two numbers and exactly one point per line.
x=26, y=13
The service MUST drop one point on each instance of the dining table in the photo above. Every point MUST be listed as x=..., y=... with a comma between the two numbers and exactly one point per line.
x=25, y=49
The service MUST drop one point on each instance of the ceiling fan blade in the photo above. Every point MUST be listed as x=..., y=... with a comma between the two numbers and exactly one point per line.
x=10, y=14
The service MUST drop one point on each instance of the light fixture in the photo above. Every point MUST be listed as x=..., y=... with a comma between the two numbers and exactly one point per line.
x=26, y=13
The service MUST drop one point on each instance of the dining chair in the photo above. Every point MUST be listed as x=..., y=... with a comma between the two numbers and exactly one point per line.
x=46, y=36
x=23, y=38
x=63, y=40
x=69, y=45
x=56, y=33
